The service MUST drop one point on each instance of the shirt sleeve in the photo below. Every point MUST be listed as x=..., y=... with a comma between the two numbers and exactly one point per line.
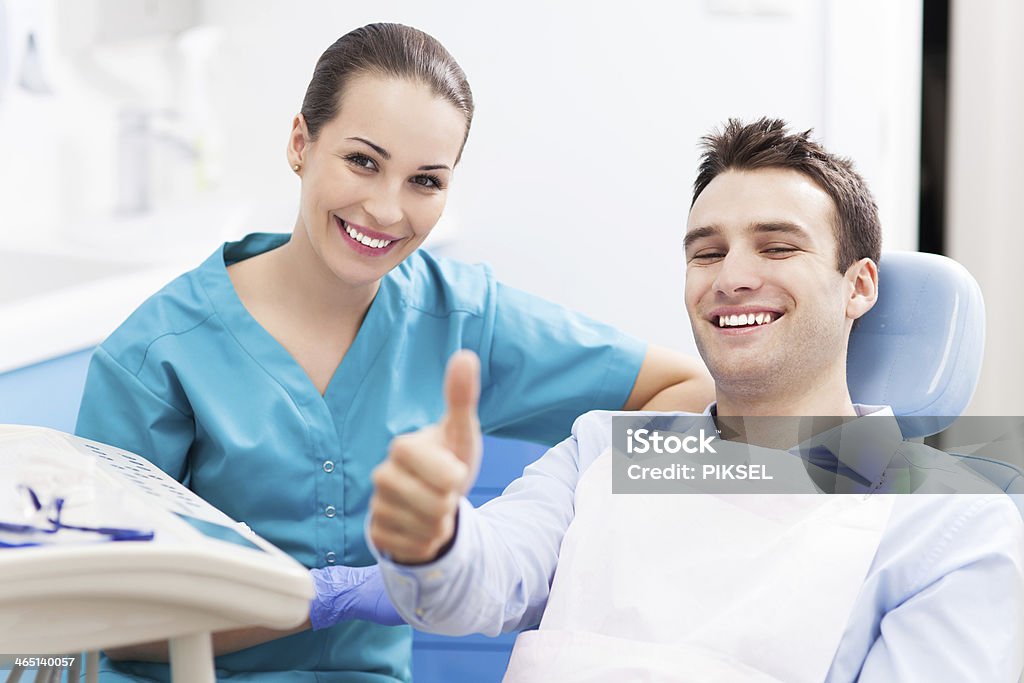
x=547, y=365
x=965, y=622
x=119, y=410
x=497, y=574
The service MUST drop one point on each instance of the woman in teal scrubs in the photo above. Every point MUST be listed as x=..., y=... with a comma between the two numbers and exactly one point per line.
x=271, y=378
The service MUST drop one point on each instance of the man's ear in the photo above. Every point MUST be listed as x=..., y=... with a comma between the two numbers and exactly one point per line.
x=298, y=141
x=862, y=277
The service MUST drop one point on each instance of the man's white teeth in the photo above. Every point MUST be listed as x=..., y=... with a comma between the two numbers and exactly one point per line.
x=762, y=318
x=363, y=239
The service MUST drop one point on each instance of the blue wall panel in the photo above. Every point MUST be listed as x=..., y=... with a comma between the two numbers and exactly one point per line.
x=46, y=394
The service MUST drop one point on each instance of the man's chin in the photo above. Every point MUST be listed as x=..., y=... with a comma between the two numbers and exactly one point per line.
x=748, y=385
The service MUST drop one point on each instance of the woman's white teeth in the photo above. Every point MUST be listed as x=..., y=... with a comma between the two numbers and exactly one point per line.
x=762, y=318
x=363, y=239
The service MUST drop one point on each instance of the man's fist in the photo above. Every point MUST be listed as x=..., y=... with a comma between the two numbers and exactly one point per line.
x=418, y=486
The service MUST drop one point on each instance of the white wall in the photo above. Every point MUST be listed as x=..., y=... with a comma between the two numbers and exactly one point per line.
x=985, y=181
x=576, y=180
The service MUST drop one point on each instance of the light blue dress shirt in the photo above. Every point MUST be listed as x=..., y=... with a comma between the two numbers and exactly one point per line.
x=943, y=599
x=193, y=383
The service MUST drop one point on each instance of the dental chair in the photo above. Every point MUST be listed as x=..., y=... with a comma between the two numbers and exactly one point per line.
x=918, y=350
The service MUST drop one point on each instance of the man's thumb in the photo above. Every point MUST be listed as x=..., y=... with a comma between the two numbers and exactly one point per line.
x=461, y=394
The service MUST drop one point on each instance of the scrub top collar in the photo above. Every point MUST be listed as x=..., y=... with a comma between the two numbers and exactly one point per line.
x=269, y=353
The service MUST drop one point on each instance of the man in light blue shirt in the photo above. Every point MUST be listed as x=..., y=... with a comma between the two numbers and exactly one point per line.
x=781, y=246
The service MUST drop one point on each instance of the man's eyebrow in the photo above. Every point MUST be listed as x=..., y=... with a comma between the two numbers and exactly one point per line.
x=784, y=227
x=699, y=234
x=779, y=226
x=387, y=155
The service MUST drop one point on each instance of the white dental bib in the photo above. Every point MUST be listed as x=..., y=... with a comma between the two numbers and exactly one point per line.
x=662, y=588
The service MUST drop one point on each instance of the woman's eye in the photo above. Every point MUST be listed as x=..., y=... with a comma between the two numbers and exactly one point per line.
x=428, y=181
x=362, y=161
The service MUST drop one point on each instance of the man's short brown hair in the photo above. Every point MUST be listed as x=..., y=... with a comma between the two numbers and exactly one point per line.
x=767, y=143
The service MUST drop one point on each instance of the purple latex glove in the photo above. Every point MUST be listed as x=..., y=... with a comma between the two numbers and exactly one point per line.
x=350, y=593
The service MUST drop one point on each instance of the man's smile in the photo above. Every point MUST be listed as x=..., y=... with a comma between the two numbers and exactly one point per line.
x=736, y=318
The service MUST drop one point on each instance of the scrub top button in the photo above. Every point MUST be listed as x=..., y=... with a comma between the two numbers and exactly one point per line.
x=330, y=510
x=328, y=466
x=331, y=557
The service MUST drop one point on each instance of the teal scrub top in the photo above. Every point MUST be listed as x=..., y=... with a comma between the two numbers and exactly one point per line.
x=193, y=383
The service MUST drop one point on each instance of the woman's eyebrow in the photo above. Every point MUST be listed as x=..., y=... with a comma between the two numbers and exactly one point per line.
x=387, y=155
x=376, y=148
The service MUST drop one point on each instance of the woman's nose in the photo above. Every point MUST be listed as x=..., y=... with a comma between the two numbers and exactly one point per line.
x=384, y=205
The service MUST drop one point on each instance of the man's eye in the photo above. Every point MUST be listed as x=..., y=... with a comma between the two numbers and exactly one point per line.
x=780, y=250
x=428, y=181
x=707, y=256
x=362, y=161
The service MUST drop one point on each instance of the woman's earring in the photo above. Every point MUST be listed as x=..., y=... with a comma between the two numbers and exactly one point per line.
x=296, y=167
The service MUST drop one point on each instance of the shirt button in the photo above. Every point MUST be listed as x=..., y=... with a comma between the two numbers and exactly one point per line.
x=328, y=466
x=330, y=557
x=420, y=612
x=330, y=510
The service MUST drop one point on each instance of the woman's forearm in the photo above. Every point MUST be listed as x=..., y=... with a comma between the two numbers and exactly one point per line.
x=224, y=642
x=669, y=380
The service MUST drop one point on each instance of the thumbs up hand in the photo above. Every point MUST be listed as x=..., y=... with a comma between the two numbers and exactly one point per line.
x=417, y=488
x=460, y=425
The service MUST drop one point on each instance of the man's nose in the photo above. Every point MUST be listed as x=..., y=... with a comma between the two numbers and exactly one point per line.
x=737, y=272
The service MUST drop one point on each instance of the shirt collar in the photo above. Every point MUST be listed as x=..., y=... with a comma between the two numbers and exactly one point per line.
x=863, y=446
x=863, y=410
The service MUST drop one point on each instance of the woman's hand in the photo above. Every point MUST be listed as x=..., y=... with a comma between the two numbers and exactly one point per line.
x=350, y=593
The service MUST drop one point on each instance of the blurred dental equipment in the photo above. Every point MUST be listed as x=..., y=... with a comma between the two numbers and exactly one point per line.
x=65, y=586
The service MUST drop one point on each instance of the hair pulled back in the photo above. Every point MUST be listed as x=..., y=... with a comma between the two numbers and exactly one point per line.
x=386, y=50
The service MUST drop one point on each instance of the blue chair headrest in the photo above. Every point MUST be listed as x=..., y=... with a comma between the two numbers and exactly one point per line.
x=920, y=348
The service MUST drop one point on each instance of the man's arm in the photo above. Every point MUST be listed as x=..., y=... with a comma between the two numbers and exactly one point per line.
x=496, y=575
x=669, y=380
x=453, y=569
x=965, y=620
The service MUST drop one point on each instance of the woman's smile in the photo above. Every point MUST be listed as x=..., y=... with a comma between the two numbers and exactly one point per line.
x=362, y=240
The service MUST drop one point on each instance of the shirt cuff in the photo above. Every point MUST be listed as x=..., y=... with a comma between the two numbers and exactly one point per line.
x=415, y=590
